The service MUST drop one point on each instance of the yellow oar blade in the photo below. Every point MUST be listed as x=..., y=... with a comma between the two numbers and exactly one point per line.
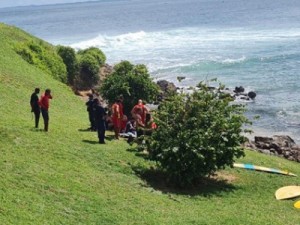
x=261, y=168
x=297, y=205
x=287, y=192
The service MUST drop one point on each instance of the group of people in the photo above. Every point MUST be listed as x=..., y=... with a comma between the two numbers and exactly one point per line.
x=127, y=126
x=139, y=122
x=41, y=105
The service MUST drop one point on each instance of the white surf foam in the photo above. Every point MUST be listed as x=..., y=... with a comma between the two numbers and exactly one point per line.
x=186, y=45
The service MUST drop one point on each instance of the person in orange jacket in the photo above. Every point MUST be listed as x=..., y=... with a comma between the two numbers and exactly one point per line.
x=139, y=112
x=116, y=117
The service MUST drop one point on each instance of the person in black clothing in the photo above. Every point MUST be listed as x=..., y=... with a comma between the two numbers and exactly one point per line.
x=99, y=114
x=89, y=105
x=35, y=108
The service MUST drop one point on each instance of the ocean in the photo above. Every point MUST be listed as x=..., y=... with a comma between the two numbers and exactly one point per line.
x=254, y=44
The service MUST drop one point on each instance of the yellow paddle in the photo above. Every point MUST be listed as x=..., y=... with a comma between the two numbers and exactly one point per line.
x=297, y=205
x=287, y=192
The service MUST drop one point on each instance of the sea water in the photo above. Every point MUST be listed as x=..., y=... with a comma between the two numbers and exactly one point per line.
x=254, y=44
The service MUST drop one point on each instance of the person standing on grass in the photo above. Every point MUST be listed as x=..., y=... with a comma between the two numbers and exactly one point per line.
x=44, y=104
x=90, y=106
x=35, y=107
x=116, y=117
x=122, y=115
x=121, y=106
x=100, y=115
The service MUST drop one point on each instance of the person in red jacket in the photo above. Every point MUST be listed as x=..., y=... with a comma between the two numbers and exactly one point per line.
x=121, y=106
x=122, y=115
x=44, y=104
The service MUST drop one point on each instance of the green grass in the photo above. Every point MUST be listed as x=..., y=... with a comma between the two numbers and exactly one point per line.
x=65, y=177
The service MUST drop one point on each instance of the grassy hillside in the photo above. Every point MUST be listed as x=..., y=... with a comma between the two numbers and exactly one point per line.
x=65, y=177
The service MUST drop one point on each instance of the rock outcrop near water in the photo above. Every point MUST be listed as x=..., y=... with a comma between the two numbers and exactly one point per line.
x=239, y=92
x=166, y=88
x=280, y=145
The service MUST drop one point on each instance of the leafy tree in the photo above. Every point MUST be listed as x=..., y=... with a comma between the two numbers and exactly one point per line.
x=131, y=81
x=69, y=57
x=197, y=134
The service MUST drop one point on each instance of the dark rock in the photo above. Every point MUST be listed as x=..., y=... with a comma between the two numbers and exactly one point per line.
x=105, y=71
x=286, y=154
x=284, y=140
x=245, y=98
x=279, y=145
x=275, y=146
x=239, y=89
x=166, y=86
x=296, y=148
x=262, y=139
x=251, y=94
x=180, y=78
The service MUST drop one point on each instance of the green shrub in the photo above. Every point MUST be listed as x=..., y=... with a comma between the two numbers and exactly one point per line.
x=89, y=62
x=131, y=81
x=88, y=71
x=69, y=58
x=96, y=53
x=44, y=57
x=26, y=55
x=197, y=134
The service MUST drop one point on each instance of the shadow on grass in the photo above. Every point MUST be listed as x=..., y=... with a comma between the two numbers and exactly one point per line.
x=90, y=142
x=86, y=130
x=206, y=187
x=36, y=129
x=109, y=137
x=142, y=154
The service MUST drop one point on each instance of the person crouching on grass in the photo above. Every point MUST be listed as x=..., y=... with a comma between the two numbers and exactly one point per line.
x=44, y=104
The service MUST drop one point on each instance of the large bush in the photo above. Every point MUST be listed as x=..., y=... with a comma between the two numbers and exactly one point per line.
x=88, y=71
x=69, y=58
x=44, y=57
x=131, y=81
x=197, y=134
x=89, y=62
x=95, y=53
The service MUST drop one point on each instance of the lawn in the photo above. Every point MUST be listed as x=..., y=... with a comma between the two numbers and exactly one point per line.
x=65, y=177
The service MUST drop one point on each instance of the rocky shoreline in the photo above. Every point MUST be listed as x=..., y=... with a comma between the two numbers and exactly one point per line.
x=238, y=93
x=279, y=145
